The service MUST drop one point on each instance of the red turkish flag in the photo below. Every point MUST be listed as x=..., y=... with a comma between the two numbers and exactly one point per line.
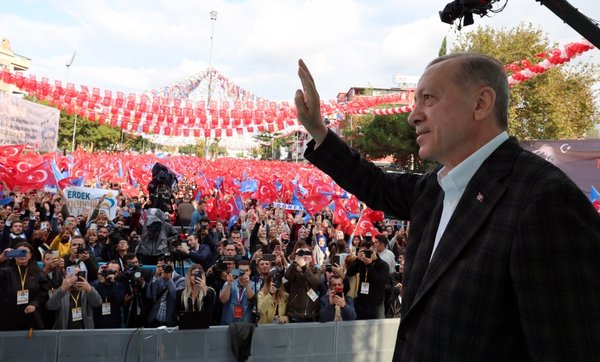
x=12, y=150
x=366, y=220
x=266, y=193
x=36, y=177
x=315, y=203
x=339, y=214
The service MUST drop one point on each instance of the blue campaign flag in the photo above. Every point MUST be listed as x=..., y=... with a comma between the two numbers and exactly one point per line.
x=278, y=185
x=6, y=201
x=78, y=181
x=239, y=203
x=56, y=171
x=198, y=195
x=250, y=185
x=232, y=221
x=219, y=182
x=594, y=194
x=120, y=171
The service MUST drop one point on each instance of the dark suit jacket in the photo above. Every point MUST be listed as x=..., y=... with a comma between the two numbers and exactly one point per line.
x=516, y=275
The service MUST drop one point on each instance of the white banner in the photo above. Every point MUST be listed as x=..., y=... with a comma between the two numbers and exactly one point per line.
x=82, y=200
x=281, y=205
x=24, y=122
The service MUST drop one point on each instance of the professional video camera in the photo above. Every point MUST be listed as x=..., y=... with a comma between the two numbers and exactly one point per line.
x=161, y=187
x=132, y=274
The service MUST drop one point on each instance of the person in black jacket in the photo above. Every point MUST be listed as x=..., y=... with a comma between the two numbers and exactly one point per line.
x=374, y=274
x=23, y=290
x=108, y=315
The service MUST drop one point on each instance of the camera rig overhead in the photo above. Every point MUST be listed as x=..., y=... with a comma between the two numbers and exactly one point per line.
x=463, y=10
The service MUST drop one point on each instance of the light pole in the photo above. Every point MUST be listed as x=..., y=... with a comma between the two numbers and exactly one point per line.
x=213, y=18
x=68, y=65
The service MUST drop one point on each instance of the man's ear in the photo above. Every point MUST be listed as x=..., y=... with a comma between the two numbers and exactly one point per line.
x=486, y=98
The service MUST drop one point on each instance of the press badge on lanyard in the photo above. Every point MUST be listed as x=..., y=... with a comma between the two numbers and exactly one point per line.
x=22, y=296
x=238, y=310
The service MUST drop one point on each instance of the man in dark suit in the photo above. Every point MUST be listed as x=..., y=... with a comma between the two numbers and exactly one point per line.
x=503, y=249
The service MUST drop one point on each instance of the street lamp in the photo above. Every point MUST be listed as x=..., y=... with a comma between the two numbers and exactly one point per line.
x=213, y=18
x=68, y=65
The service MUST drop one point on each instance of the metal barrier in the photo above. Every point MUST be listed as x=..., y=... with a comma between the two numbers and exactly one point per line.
x=371, y=340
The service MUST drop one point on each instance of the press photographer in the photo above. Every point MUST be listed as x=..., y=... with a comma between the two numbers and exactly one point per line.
x=162, y=292
x=136, y=280
x=195, y=252
x=108, y=315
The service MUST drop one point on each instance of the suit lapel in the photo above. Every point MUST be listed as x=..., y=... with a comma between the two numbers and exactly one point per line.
x=481, y=195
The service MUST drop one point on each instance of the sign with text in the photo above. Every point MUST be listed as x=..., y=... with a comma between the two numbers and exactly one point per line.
x=83, y=200
x=24, y=122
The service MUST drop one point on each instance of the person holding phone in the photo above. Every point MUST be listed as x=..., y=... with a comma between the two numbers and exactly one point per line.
x=238, y=295
x=335, y=306
x=196, y=296
x=74, y=301
x=23, y=289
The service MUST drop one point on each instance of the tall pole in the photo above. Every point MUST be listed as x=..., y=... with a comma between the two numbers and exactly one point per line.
x=68, y=65
x=213, y=18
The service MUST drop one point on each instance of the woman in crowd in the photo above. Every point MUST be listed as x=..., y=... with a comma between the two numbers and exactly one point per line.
x=272, y=300
x=23, y=289
x=196, y=295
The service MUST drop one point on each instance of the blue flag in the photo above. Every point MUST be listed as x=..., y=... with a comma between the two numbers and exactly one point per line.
x=594, y=194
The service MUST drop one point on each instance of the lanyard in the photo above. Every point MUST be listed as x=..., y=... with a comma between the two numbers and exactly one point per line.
x=76, y=300
x=22, y=277
x=240, y=294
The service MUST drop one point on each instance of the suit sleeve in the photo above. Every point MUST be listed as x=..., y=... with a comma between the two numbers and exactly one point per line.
x=391, y=193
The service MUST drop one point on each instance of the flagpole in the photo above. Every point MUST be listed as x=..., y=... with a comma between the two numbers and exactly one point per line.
x=213, y=18
x=68, y=65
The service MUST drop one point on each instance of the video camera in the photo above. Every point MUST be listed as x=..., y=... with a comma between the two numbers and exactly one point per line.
x=160, y=187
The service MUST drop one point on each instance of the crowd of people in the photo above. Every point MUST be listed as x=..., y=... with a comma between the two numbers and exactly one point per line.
x=147, y=265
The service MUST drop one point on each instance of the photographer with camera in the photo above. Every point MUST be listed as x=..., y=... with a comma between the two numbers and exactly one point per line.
x=136, y=281
x=194, y=251
x=157, y=235
x=74, y=301
x=303, y=282
x=162, y=292
x=80, y=257
x=238, y=295
x=112, y=292
x=334, y=305
x=374, y=276
x=196, y=295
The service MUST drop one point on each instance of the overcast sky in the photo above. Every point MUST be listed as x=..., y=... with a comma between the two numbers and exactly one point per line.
x=132, y=46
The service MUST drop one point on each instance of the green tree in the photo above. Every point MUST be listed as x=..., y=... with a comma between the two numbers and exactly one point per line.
x=557, y=104
x=381, y=136
x=90, y=135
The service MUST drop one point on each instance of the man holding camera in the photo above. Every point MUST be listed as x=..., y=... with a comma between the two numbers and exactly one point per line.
x=136, y=281
x=81, y=258
x=162, y=291
x=335, y=306
x=194, y=251
x=374, y=275
x=74, y=302
x=237, y=295
x=112, y=292
x=303, y=278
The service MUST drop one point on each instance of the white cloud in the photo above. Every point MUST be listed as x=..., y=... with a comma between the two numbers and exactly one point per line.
x=132, y=45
